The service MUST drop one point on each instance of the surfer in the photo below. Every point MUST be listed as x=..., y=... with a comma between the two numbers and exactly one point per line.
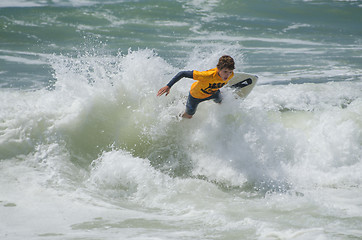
x=206, y=87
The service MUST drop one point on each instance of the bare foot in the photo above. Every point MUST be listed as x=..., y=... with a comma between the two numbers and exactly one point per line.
x=185, y=115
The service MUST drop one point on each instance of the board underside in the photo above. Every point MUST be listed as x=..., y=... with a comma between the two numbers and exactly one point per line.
x=242, y=84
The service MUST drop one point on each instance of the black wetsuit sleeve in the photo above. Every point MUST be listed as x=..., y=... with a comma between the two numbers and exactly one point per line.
x=178, y=76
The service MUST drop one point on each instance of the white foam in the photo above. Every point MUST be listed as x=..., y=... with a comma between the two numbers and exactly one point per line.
x=295, y=26
x=23, y=60
x=19, y=3
x=40, y=3
x=215, y=173
x=221, y=37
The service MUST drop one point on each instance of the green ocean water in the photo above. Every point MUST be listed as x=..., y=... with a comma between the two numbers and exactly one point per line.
x=261, y=30
x=87, y=150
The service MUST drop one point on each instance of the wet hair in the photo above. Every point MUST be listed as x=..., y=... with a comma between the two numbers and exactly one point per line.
x=226, y=62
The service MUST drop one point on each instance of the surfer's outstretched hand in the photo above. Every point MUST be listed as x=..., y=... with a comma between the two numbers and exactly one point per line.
x=165, y=89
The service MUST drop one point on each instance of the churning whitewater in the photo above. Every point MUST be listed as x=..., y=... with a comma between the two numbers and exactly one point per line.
x=88, y=151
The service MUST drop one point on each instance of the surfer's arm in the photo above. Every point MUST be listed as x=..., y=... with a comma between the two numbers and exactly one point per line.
x=178, y=76
x=175, y=79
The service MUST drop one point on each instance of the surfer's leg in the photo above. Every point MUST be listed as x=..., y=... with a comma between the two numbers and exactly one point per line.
x=186, y=115
x=217, y=97
x=191, y=106
x=192, y=103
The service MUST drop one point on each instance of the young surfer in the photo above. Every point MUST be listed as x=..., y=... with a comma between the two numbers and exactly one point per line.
x=207, y=85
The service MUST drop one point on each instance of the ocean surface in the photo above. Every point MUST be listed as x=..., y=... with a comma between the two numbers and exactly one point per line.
x=87, y=150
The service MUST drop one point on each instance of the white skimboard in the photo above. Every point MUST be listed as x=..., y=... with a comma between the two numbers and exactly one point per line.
x=242, y=84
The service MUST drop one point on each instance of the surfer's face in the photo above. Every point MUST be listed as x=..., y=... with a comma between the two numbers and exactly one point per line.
x=225, y=73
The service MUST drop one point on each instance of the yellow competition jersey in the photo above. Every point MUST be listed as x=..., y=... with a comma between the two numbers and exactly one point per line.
x=208, y=82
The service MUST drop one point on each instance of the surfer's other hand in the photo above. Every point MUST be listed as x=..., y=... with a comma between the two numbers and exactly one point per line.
x=165, y=89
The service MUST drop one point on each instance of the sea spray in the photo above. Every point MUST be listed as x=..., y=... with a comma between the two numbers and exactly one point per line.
x=88, y=151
